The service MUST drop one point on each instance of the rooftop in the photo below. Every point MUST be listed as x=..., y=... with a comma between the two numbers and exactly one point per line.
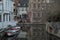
x=23, y=3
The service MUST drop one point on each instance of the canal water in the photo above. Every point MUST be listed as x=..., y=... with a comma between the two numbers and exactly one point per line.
x=8, y=38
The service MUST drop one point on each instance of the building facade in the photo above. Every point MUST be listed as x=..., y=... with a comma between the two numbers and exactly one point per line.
x=22, y=11
x=15, y=7
x=6, y=13
x=37, y=10
x=22, y=8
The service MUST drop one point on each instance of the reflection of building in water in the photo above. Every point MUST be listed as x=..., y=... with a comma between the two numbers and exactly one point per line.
x=23, y=35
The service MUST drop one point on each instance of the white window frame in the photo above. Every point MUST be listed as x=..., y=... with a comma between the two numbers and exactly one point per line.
x=6, y=17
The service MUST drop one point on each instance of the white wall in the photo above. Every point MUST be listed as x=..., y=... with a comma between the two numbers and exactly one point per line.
x=20, y=12
x=8, y=8
x=8, y=5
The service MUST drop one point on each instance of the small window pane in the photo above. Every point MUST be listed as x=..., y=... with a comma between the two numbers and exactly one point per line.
x=34, y=0
x=34, y=14
x=34, y=5
x=8, y=17
x=43, y=12
x=14, y=10
x=4, y=17
x=38, y=5
x=38, y=0
x=0, y=18
x=24, y=16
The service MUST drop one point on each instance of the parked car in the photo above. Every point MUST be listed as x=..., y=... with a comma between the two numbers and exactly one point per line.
x=12, y=31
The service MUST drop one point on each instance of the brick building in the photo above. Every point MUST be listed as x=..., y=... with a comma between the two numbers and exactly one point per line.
x=37, y=9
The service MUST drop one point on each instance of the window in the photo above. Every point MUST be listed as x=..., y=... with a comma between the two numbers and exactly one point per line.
x=34, y=10
x=6, y=17
x=24, y=16
x=34, y=0
x=42, y=0
x=43, y=4
x=38, y=5
x=14, y=4
x=38, y=14
x=20, y=16
x=22, y=9
x=34, y=14
x=9, y=17
x=38, y=0
x=14, y=10
x=12, y=0
x=24, y=4
x=43, y=12
x=34, y=5
x=43, y=7
x=0, y=18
